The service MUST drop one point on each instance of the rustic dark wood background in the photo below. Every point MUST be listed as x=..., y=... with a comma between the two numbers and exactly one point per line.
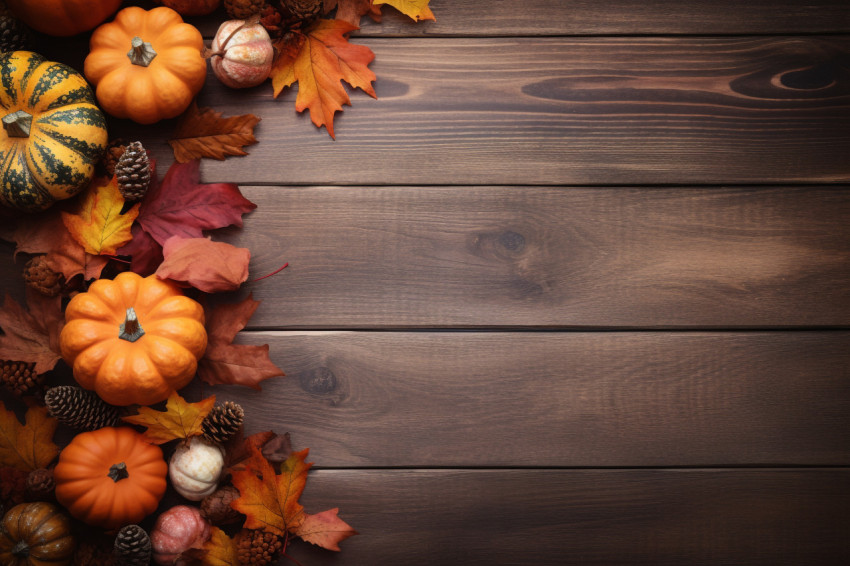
x=575, y=289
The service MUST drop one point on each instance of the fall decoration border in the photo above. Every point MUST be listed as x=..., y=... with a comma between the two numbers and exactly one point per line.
x=130, y=219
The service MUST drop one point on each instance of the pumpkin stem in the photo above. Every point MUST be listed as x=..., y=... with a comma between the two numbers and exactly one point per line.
x=131, y=330
x=17, y=124
x=142, y=53
x=21, y=549
x=118, y=472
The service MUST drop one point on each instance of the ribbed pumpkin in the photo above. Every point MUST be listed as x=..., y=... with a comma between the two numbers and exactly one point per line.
x=133, y=339
x=63, y=17
x=146, y=65
x=110, y=477
x=53, y=132
x=36, y=534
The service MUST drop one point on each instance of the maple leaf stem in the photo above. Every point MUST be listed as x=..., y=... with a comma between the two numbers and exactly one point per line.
x=283, y=552
x=275, y=272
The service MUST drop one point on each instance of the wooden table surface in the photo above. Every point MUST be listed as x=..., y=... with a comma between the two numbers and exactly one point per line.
x=575, y=289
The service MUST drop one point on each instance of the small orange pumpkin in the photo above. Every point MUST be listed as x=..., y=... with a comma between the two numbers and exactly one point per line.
x=110, y=477
x=63, y=17
x=36, y=534
x=146, y=65
x=133, y=340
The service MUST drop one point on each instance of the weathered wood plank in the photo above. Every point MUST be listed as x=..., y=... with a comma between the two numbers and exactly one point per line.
x=585, y=517
x=365, y=257
x=427, y=399
x=613, y=17
x=563, y=111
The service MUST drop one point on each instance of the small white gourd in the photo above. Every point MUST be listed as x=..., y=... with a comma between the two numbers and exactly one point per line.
x=195, y=468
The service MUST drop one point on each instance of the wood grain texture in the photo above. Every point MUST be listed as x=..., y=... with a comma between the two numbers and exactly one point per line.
x=471, y=18
x=378, y=257
x=427, y=399
x=585, y=517
x=557, y=111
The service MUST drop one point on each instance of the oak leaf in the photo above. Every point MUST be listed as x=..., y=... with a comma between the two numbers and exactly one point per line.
x=180, y=419
x=180, y=205
x=29, y=446
x=203, y=264
x=46, y=233
x=97, y=223
x=319, y=62
x=417, y=10
x=202, y=132
x=269, y=500
x=32, y=335
x=219, y=550
x=234, y=364
x=324, y=529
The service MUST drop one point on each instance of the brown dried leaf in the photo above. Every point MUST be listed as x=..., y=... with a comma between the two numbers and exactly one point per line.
x=33, y=335
x=202, y=132
x=29, y=446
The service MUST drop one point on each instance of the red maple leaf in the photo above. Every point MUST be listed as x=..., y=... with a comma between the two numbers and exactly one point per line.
x=181, y=206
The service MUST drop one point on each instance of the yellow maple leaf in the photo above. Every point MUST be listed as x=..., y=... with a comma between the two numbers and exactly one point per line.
x=180, y=419
x=220, y=550
x=29, y=446
x=415, y=9
x=97, y=223
x=319, y=62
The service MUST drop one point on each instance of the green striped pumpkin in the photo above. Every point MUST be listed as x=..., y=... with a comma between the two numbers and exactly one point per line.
x=53, y=132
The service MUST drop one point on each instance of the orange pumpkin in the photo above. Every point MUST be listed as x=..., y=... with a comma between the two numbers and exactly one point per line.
x=146, y=65
x=133, y=340
x=110, y=477
x=63, y=17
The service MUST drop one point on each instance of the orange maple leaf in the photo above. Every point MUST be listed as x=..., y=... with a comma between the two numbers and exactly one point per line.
x=97, y=224
x=29, y=446
x=418, y=10
x=202, y=132
x=319, y=62
x=219, y=550
x=180, y=419
x=325, y=529
x=269, y=500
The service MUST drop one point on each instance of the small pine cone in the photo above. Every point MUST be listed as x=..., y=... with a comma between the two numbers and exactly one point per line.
x=20, y=377
x=133, y=172
x=79, y=409
x=132, y=546
x=38, y=275
x=216, y=508
x=300, y=13
x=243, y=9
x=40, y=485
x=14, y=35
x=256, y=548
x=223, y=421
x=93, y=553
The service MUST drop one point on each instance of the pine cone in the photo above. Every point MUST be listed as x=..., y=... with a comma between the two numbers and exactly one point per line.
x=243, y=9
x=114, y=151
x=79, y=409
x=223, y=421
x=14, y=35
x=256, y=548
x=132, y=546
x=216, y=508
x=38, y=275
x=40, y=485
x=300, y=13
x=133, y=172
x=92, y=553
x=20, y=377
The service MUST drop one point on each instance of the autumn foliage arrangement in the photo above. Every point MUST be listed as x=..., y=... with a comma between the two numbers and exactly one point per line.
x=127, y=282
